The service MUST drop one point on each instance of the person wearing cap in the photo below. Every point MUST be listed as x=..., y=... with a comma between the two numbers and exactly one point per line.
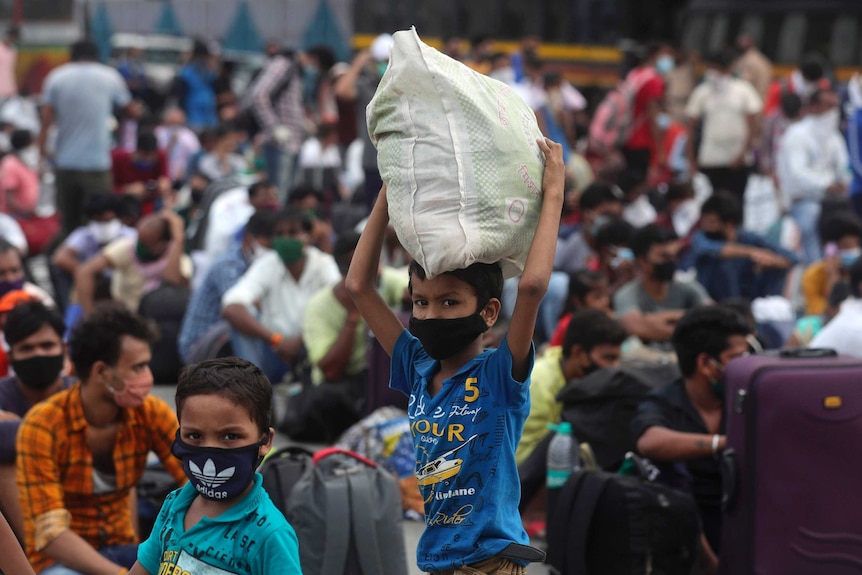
x=37, y=354
x=142, y=174
x=358, y=85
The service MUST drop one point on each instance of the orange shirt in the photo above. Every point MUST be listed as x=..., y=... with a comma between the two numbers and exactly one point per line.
x=55, y=471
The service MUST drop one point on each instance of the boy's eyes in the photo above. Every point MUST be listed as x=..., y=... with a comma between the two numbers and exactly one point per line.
x=195, y=436
x=445, y=303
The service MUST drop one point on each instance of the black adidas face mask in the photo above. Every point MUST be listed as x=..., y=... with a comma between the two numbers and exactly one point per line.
x=443, y=338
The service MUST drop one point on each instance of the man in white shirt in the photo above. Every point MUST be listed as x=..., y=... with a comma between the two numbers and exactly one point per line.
x=812, y=162
x=178, y=141
x=729, y=108
x=844, y=332
x=266, y=306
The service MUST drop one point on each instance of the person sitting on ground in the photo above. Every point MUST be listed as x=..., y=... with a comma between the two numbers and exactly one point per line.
x=83, y=450
x=223, y=405
x=139, y=265
x=142, y=174
x=265, y=307
x=732, y=262
x=19, y=182
x=308, y=199
x=616, y=260
x=807, y=327
x=844, y=332
x=223, y=161
x=650, y=305
x=203, y=317
x=37, y=355
x=844, y=233
x=683, y=422
x=13, y=278
x=598, y=203
x=587, y=290
x=593, y=341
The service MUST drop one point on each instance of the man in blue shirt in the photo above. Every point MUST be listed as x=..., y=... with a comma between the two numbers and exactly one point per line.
x=732, y=262
x=203, y=319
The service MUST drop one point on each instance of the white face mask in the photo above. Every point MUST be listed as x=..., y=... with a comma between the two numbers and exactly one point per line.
x=106, y=232
x=30, y=157
x=828, y=122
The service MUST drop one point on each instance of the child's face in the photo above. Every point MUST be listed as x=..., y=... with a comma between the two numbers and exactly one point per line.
x=443, y=297
x=598, y=298
x=215, y=421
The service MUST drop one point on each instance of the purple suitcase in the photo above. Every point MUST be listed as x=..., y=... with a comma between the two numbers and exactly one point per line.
x=792, y=490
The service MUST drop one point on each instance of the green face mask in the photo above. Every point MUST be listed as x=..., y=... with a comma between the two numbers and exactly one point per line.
x=290, y=250
x=144, y=254
x=716, y=386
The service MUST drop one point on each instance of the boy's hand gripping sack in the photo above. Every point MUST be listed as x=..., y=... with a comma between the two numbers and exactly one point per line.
x=458, y=153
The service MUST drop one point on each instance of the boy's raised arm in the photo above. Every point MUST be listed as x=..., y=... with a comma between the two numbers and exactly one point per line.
x=540, y=260
x=361, y=280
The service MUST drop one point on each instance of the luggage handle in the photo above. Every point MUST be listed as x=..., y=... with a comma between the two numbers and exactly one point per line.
x=806, y=353
x=729, y=479
x=324, y=453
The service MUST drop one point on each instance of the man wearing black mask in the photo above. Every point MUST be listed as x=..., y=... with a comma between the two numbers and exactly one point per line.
x=37, y=355
x=650, y=305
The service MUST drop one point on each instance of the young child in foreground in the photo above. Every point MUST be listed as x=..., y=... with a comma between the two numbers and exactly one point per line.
x=221, y=521
x=467, y=406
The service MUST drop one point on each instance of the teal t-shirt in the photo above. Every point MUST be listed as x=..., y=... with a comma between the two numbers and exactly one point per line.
x=250, y=537
x=464, y=438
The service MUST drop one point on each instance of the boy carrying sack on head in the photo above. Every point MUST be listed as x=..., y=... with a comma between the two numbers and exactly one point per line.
x=467, y=405
x=222, y=521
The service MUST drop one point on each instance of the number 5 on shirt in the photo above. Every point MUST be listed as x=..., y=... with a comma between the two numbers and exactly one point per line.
x=472, y=388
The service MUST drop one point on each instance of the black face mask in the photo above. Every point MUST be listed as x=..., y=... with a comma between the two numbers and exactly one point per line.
x=716, y=236
x=664, y=271
x=590, y=369
x=38, y=372
x=443, y=338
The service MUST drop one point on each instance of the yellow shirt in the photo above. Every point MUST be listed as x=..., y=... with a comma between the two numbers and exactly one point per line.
x=546, y=381
x=815, y=288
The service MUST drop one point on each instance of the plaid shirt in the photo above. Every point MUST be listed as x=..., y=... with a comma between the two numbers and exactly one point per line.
x=288, y=110
x=55, y=471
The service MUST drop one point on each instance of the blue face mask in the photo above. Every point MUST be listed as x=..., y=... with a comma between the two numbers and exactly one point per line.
x=664, y=65
x=144, y=164
x=598, y=223
x=218, y=474
x=849, y=257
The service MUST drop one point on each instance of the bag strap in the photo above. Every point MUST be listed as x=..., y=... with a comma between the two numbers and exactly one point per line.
x=558, y=519
x=337, y=529
x=364, y=529
x=592, y=486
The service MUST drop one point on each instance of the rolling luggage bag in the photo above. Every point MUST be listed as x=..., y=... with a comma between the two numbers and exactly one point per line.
x=794, y=446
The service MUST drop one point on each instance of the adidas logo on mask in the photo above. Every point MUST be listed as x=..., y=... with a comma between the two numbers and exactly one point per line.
x=209, y=479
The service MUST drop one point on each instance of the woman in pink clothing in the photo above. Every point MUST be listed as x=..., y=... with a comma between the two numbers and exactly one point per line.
x=19, y=183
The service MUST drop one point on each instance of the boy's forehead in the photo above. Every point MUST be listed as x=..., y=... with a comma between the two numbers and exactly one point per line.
x=443, y=283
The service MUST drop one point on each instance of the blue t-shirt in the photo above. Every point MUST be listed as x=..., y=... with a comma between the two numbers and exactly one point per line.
x=250, y=537
x=465, y=439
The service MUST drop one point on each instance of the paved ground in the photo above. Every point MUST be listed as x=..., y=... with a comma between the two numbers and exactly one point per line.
x=412, y=529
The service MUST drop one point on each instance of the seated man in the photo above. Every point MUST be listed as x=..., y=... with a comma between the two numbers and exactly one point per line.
x=841, y=234
x=81, y=451
x=142, y=174
x=732, y=262
x=307, y=199
x=12, y=276
x=650, y=305
x=592, y=342
x=683, y=423
x=203, y=314
x=139, y=265
x=844, y=332
x=276, y=289
x=598, y=203
x=34, y=334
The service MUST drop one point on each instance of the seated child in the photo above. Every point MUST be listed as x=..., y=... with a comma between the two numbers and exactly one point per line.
x=221, y=522
x=467, y=405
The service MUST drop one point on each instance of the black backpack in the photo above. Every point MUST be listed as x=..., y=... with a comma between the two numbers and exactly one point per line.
x=607, y=524
x=166, y=306
x=282, y=470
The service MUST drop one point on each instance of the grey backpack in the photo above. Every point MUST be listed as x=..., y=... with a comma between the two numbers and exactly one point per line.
x=348, y=517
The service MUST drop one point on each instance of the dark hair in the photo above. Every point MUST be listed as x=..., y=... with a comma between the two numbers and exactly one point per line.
x=27, y=318
x=128, y=207
x=99, y=336
x=581, y=283
x=617, y=232
x=147, y=142
x=290, y=215
x=840, y=292
x=345, y=244
x=485, y=279
x=200, y=49
x=84, y=50
x=791, y=105
x=811, y=68
x=21, y=139
x=256, y=188
x=722, y=59
x=597, y=194
x=724, y=205
x=299, y=193
x=856, y=278
x=262, y=224
x=325, y=57
x=648, y=236
x=99, y=203
x=653, y=47
x=589, y=328
x=680, y=190
x=233, y=378
x=630, y=179
x=838, y=226
x=705, y=329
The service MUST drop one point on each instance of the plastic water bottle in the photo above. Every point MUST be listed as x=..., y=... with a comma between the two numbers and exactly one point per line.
x=563, y=456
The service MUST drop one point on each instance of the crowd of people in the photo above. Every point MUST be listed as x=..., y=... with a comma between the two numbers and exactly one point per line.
x=231, y=220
